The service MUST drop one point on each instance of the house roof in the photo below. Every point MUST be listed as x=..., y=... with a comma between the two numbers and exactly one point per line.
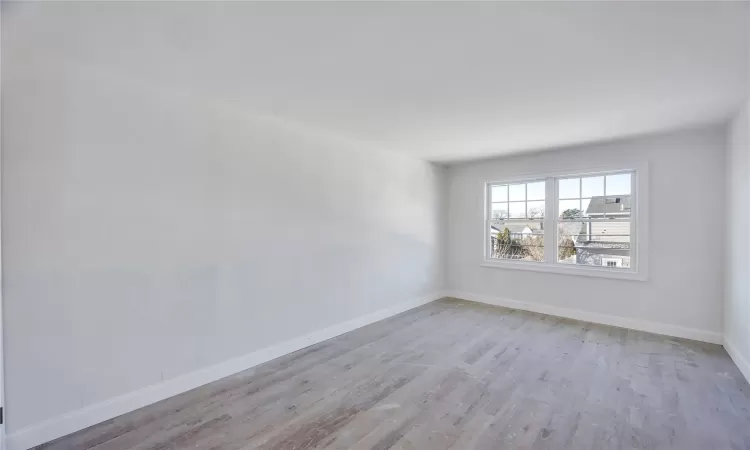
x=516, y=227
x=611, y=204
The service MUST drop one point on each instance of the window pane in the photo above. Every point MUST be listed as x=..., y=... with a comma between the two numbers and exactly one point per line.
x=570, y=209
x=500, y=193
x=499, y=210
x=604, y=244
x=517, y=210
x=535, y=191
x=569, y=188
x=535, y=210
x=592, y=186
x=585, y=202
x=517, y=192
x=517, y=241
x=618, y=184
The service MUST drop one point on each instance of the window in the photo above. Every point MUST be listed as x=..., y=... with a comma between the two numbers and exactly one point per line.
x=594, y=223
x=577, y=223
x=516, y=228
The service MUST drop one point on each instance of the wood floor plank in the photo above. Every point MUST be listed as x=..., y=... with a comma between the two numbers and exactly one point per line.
x=457, y=375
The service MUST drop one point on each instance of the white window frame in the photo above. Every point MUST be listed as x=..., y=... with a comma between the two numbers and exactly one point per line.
x=639, y=225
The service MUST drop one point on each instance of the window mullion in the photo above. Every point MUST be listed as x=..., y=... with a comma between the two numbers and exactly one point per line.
x=550, y=210
x=605, y=193
x=525, y=201
x=634, y=256
x=487, y=221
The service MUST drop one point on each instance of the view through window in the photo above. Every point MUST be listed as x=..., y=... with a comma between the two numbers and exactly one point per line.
x=517, y=221
x=593, y=223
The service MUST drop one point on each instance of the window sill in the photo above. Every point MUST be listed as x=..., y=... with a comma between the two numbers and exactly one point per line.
x=566, y=270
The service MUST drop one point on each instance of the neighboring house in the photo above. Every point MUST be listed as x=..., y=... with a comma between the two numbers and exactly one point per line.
x=518, y=230
x=605, y=243
x=599, y=243
x=612, y=205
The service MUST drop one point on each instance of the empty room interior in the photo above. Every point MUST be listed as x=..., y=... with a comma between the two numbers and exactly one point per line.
x=375, y=225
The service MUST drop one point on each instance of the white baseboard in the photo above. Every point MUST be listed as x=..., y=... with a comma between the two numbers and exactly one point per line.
x=738, y=359
x=90, y=415
x=604, y=319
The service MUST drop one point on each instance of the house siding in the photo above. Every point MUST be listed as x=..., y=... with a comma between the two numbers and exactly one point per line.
x=615, y=231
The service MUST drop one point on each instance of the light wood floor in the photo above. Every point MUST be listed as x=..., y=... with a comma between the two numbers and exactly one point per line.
x=458, y=375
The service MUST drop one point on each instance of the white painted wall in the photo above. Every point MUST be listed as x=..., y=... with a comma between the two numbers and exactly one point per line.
x=148, y=233
x=737, y=306
x=686, y=255
x=447, y=81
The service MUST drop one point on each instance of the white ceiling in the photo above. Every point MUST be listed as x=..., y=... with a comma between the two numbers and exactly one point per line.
x=440, y=81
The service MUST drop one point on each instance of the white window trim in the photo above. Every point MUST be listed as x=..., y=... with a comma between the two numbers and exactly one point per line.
x=639, y=227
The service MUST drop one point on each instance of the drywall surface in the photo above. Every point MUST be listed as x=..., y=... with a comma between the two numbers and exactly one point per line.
x=443, y=81
x=686, y=248
x=149, y=233
x=737, y=307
